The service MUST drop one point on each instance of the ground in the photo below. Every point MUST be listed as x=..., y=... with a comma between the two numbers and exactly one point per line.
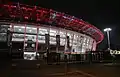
x=34, y=70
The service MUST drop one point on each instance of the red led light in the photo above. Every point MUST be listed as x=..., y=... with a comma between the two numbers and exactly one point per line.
x=26, y=17
x=27, y=12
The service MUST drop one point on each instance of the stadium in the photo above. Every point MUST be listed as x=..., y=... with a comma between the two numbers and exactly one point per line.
x=46, y=29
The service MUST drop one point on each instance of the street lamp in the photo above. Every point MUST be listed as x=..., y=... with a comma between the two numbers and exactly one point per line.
x=108, y=36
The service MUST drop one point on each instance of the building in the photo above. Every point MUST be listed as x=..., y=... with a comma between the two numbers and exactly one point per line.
x=47, y=28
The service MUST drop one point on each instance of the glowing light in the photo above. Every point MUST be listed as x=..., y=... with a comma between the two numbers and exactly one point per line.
x=20, y=29
x=107, y=29
x=30, y=30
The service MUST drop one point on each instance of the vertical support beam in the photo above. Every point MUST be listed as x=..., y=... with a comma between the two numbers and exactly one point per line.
x=57, y=47
x=72, y=50
x=47, y=40
x=108, y=39
x=89, y=44
x=92, y=45
x=68, y=42
x=72, y=41
x=24, y=36
x=83, y=42
x=57, y=42
x=12, y=29
x=77, y=43
x=37, y=39
x=11, y=35
x=86, y=44
x=65, y=41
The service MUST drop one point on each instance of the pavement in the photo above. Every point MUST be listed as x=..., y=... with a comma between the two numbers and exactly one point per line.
x=100, y=70
x=33, y=69
x=112, y=64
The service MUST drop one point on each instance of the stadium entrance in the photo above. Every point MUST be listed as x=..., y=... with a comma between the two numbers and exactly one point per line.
x=26, y=38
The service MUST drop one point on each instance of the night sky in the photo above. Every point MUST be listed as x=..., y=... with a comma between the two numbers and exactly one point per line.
x=100, y=13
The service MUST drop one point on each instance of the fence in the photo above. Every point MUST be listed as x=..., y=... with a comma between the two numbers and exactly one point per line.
x=90, y=56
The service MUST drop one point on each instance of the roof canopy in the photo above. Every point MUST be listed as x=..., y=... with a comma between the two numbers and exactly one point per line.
x=25, y=13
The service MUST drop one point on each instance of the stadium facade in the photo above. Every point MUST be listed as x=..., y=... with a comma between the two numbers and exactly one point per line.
x=48, y=29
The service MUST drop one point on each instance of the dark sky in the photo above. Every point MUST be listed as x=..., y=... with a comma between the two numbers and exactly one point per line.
x=100, y=13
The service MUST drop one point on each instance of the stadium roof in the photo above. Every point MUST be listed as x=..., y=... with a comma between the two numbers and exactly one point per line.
x=15, y=12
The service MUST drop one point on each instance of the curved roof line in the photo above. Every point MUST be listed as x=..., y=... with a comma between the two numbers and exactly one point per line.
x=22, y=12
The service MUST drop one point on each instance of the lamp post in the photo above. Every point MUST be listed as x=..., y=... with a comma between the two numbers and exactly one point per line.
x=108, y=35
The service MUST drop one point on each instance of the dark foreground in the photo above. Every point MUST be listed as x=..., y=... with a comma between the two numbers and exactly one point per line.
x=33, y=69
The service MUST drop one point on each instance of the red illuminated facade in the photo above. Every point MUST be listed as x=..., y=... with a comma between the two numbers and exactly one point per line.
x=26, y=13
x=15, y=13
